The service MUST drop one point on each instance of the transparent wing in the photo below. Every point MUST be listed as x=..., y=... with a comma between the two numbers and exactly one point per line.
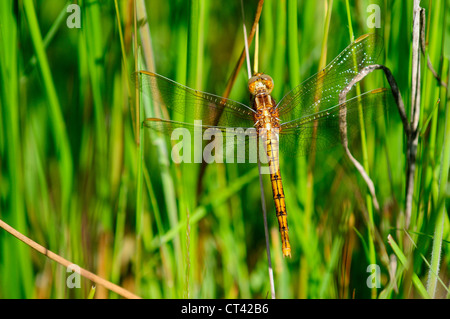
x=211, y=109
x=297, y=137
x=321, y=91
x=232, y=145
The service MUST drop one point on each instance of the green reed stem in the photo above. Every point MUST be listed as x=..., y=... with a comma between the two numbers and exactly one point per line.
x=439, y=226
x=17, y=259
x=372, y=255
x=56, y=118
x=404, y=262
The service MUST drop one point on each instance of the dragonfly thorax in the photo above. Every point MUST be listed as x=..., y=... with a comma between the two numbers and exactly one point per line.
x=266, y=116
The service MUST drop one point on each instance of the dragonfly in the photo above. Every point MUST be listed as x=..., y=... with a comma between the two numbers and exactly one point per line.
x=306, y=119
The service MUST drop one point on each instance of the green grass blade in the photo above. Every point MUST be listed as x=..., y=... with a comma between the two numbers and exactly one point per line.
x=56, y=117
x=402, y=258
x=441, y=211
x=17, y=258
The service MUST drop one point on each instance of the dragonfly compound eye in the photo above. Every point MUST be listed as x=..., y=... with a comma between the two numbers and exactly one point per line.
x=260, y=83
x=268, y=82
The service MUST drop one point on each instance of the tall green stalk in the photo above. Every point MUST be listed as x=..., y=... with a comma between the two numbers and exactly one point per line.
x=372, y=255
x=18, y=280
x=57, y=121
x=440, y=206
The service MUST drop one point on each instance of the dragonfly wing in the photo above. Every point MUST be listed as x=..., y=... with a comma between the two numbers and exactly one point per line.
x=213, y=143
x=321, y=130
x=321, y=91
x=213, y=110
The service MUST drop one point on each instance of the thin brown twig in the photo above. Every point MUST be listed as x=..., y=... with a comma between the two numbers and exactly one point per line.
x=343, y=126
x=66, y=263
x=238, y=66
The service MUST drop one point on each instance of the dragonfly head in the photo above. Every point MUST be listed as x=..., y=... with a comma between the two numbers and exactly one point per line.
x=260, y=83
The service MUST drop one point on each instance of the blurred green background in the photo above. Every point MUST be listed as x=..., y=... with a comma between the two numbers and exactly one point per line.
x=74, y=179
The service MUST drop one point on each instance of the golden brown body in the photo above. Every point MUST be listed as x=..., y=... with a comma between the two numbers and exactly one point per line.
x=267, y=125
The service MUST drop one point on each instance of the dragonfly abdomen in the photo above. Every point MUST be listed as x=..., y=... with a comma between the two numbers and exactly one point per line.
x=268, y=125
x=278, y=191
